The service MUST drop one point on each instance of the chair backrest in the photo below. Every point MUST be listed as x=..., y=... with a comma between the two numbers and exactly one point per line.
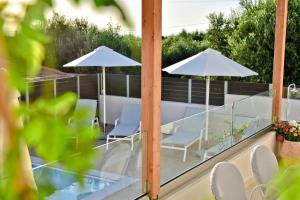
x=193, y=120
x=264, y=164
x=227, y=182
x=89, y=107
x=131, y=114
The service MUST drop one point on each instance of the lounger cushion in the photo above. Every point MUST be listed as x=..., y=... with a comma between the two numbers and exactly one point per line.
x=131, y=114
x=181, y=138
x=88, y=107
x=124, y=130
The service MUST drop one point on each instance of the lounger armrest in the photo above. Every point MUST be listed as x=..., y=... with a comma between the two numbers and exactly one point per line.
x=176, y=128
x=117, y=121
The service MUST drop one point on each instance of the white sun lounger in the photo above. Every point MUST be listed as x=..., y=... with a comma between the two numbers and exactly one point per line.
x=89, y=106
x=127, y=125
x=187, y=131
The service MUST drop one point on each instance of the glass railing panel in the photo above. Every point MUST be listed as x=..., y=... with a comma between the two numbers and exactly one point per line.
x=186, y=143
x=219, y=131
x=181, y=143
x=116, y=174
x=196, y=138
x=291, y=105
x=251, y=115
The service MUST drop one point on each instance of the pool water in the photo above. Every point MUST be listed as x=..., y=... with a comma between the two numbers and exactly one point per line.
x=34, y=165
x=65, y=184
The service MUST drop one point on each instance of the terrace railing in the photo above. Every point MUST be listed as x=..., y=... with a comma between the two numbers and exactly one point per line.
x=185, y=144
x=291, y=106
x=188, y=142
x=116, y=174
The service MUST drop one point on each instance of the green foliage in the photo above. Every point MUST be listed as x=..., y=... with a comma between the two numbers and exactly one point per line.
x=286, y=184
x=65, y=48
x=247, y=36
x=45, y=130
x=238, y=133
x=219, y=30
x=74, y=38
x=252, y=41
x=181, y=46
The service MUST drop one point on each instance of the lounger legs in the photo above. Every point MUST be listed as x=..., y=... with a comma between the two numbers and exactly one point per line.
x=107, y=140
x=184, y=154
x=132, y=141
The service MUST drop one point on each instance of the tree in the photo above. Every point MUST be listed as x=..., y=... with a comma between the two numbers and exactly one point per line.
x=247, y=36
x=218, y=32
x=72, y=38
x=179, y=47
x=252, y=41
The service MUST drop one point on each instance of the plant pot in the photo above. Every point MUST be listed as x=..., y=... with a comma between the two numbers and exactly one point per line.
x=290, y=152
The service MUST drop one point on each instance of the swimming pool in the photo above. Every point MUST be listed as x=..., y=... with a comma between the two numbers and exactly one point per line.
x=65, y=184
x=34, y=165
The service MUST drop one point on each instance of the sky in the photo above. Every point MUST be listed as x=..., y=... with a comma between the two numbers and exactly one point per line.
x=177, y=14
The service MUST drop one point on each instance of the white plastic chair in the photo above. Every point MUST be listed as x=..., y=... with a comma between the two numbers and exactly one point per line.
x=264, y=166
x=227, y=182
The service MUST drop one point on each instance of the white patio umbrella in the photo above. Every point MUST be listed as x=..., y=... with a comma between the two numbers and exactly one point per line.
x=103, y=57
x=209, y=63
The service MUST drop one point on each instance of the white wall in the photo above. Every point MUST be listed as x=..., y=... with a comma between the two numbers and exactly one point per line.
x=170, y=110
x=293, y=109
x=256, y=106
x=262, y=105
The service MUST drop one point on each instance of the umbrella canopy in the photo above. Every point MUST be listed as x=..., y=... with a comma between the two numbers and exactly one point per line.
x=209, y=63
x=103, y=57
x=47, y=74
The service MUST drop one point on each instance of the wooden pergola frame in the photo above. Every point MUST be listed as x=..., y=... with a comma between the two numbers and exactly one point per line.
x=151, y=85
x=279, y=55
x=151, y=94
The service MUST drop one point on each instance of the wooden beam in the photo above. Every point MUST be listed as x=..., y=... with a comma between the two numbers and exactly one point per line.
x=151, y=94
x=279, y=54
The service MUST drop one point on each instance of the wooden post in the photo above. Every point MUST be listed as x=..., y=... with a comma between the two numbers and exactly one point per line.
x=151, y=94
x=279, y=54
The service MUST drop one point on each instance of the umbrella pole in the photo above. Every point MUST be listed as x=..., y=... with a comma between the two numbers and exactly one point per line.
x=207, y=107
x=104, y=99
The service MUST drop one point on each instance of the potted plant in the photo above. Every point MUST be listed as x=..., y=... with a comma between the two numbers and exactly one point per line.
x=238, y=133
x=288, y=133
